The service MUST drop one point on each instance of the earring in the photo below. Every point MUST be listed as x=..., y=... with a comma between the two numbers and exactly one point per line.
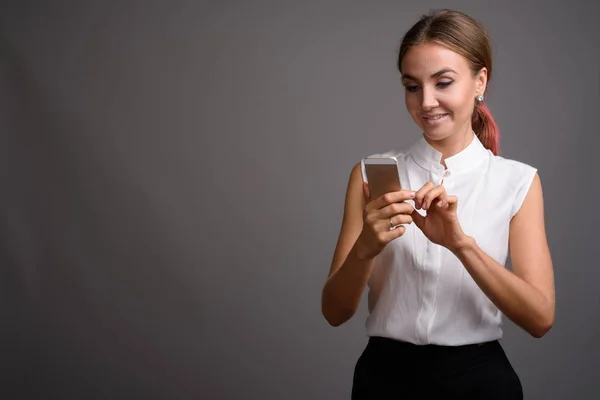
x=480, y=98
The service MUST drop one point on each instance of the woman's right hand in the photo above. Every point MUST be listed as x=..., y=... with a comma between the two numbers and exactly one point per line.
x=381, y=218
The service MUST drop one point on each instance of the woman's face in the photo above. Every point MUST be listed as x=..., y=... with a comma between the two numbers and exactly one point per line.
x=440, y=89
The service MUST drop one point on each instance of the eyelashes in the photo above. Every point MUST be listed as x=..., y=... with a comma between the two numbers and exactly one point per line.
x=445, y=84
x=441, y=85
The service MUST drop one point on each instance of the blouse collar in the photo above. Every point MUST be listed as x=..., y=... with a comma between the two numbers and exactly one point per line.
x=429, y=158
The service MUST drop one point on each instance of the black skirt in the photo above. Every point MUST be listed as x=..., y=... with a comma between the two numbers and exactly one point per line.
x=390, y=369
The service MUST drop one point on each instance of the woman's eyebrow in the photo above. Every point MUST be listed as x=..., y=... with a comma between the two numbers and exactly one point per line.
x=434, y=75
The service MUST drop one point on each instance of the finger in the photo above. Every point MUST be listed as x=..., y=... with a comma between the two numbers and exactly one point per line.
x=395, y=233
x=432, y=195
x=449, y=202
x=420, y=194
x=398, y=231
x=394, y=209
x=393, y=197
x=387, y=234
x=452, y=202
x=442, y=199
x=400, y=219
x=417, y=218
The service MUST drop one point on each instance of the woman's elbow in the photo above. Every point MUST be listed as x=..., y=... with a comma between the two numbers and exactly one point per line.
x=539, y=333
x=335, y=322
x=542, y=327
x=335, y=316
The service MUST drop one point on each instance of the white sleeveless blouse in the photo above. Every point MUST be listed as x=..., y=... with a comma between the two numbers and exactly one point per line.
x=420, y=292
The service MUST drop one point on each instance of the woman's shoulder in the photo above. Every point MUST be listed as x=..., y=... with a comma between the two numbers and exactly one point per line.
x=393, y=152
x=513, y=177
x=511, y=166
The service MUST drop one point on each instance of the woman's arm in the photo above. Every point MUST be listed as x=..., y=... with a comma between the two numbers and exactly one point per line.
x=525, y=295
x=349, y=271
x=365, y=232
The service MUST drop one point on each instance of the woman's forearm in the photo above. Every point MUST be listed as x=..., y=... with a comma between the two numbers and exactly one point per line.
x=343, y=290
x=520, y=301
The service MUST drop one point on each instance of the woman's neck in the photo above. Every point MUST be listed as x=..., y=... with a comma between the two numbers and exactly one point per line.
x=453, y=144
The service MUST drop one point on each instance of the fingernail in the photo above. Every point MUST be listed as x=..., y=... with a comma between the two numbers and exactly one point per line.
x=439, y=203
x=412, y=195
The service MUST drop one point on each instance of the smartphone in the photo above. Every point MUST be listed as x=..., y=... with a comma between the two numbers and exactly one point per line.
x=381, y=173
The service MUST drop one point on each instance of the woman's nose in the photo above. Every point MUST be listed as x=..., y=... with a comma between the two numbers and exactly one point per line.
x=428, y=99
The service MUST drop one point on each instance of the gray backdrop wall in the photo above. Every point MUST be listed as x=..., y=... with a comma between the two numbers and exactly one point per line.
x=173, y=176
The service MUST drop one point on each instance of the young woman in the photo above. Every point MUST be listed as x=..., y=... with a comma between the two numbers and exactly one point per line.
x=433, y=255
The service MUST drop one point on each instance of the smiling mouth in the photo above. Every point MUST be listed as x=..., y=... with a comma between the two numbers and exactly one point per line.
x=434, y=117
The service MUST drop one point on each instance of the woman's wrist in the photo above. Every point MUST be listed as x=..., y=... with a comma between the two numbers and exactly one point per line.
x=361, y=252
x=464, y=243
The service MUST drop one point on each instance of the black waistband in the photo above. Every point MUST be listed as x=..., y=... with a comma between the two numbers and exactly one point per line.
x=393, y=345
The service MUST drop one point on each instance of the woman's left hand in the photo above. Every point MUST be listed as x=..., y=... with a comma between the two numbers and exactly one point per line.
x=440, y=225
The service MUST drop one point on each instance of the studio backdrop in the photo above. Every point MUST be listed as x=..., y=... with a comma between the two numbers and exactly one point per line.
x=173, y=178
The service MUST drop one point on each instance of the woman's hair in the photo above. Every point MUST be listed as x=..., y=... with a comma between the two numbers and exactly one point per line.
x=467, y=37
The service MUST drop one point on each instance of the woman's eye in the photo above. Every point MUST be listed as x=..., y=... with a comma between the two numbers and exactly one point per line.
x=444, y=84
x=441, y=85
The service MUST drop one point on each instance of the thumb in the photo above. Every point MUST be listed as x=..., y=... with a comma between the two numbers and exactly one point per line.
x=452, y=203
x=418, y=219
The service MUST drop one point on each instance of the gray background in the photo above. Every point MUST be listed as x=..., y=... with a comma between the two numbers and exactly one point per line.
x=173, y=176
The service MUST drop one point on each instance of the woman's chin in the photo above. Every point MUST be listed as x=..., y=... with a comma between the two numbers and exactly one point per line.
x=436, y=133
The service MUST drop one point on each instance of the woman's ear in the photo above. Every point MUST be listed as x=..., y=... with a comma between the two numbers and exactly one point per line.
x=481, y=81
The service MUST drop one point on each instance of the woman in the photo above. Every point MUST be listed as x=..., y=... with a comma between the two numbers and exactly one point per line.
x=434, y=254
